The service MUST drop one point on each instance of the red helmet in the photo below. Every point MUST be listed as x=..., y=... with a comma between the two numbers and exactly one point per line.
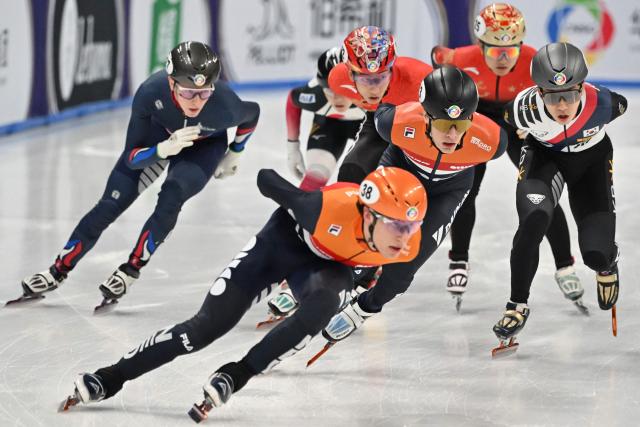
x=394, y=193
x=370, y=50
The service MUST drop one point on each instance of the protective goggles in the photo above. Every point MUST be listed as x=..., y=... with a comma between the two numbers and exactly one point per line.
x=372, y=79
x=497, y=52
x=192, y=93
x=569, y=96
x=444, y=125
x=397, y=225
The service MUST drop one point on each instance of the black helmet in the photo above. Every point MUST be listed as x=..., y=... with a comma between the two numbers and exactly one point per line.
x=558, y=66
x=326, y=62
x=449, y=93
x=193, y=65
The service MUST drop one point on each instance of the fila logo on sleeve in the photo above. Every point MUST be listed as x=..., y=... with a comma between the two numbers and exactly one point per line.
x=409, y=132
x=335, y=229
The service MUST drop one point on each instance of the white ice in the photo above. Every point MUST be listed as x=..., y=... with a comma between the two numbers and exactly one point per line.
x=417, y=363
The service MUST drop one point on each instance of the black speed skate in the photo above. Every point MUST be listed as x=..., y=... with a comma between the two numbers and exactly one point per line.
x=88, y=389
x=514, y=318
x=217, y=392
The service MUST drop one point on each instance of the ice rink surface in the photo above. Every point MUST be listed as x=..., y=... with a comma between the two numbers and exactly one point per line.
x=418, y=363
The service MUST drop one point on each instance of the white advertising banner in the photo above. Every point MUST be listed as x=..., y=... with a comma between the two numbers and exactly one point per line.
x=16, y=62
x=607, y=31
x=156, y=26
x=279, y=40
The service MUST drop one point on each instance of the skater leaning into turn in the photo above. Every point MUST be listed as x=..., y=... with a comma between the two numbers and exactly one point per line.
x=335, y=120
x=312, y=240
x=179, y=121
x=438, y=140
x=500, y=65
x=565, y=118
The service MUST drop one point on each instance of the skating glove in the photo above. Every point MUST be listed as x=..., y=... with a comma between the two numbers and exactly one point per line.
x=294, y=159
x=177, y=141
x=343, y=324
x=228, y=165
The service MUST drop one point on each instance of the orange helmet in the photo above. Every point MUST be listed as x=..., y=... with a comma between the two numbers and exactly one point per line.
x=499, y=24
x=395, y=194
x=369, y=50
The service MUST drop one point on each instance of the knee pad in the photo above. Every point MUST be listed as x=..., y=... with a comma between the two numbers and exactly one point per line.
x=596, y=234
x=596, y=260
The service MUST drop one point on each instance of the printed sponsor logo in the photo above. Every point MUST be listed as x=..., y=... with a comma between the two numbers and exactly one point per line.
x=307, y=98
x=477, y=142
x=586, y=24
x=85, y=51
x=185, y=342
x=454, y=111
x=536, y=199
x=412, y=213
x=559, y=79
x=335, y=229
x=158, y=337
x=409, y=132
x=443, y=230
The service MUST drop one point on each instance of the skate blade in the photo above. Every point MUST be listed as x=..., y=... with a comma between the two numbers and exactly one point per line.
x=106, y=306
x=457, y=296
x=200, y=412
x=24, y=299
x=614, y=321
x=270, y=321
x=68, y=402
x=319, y=354
x=580, y=306
x=506, y=348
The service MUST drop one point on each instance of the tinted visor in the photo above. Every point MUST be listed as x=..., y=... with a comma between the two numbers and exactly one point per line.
x=569, y=96
x=192, y=93
x=497, y=52
x=397, y=225
x=443, y=125
x=372, y=79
